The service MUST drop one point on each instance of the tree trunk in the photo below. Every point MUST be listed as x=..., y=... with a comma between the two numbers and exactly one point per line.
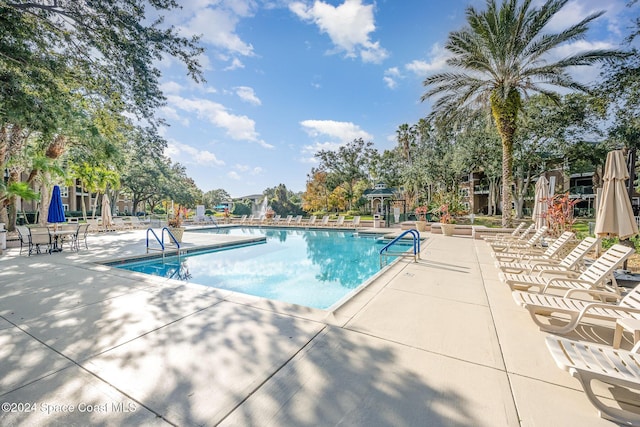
x=12, y=211
x=45, y=199
x=82, y=201
x=4, y=217
x=505, y=114
x=95, y=204
x=520, y=191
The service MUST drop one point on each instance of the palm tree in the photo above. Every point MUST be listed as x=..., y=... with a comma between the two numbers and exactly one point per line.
x=499, y=58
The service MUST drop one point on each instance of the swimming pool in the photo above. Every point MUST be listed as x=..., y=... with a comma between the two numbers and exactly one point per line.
x=306, y=267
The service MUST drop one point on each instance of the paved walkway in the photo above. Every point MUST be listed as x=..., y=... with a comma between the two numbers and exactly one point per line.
x=438, y=342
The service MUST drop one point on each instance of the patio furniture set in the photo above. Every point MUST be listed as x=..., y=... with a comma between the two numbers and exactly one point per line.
x=52, y=238
x=561, y=292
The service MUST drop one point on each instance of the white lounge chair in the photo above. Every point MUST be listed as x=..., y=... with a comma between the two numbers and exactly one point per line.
x=242, y=219
x=297, y=220
x=339, y=222
x=515, y=234
x=287, y=220
x=325, y=221
x=534, y=241
x=119, y=224
x=553, y=251
x=573, y=261
x=355, y=223
x=578, y=309
x=593, y=278
x=587, y=362
x=136, y=223
x=312, y=220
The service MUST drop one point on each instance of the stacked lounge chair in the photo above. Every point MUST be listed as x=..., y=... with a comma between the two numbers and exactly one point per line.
x=585, y=293
x=534, y=242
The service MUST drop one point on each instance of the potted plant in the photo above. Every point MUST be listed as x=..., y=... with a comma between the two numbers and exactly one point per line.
x=447, y=221
x=448, y=206
x=175, y=223
x=421, y=215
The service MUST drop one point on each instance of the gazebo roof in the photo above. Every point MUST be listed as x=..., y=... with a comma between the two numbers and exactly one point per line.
x=379, y=192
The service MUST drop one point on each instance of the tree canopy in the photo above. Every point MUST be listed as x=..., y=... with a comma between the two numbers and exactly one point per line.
x=501, y=56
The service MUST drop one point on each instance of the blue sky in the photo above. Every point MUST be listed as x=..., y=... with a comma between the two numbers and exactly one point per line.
x=288, y=78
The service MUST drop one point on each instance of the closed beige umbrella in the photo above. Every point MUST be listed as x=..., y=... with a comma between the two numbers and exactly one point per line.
x=541, y=203
x=106, y=212
x=615, y=214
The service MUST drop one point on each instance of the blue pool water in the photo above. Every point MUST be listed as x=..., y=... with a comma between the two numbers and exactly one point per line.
x=306, y=267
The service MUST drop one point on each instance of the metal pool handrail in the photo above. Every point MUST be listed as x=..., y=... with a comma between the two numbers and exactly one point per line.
x=157, y=238
x=416, y=246
x=161, y=240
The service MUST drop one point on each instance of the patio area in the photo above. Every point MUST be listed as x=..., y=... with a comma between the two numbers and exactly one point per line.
x=438, y=342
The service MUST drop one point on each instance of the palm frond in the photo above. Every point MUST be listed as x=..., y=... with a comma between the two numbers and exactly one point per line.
x=504, y=48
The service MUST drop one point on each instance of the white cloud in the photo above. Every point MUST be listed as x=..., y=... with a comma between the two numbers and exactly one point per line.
x=584, y=74
x=237, y=127
x=171, y=114
x=247, y=94
x=393, y=72
x=390, y=82
x=343, y=131
x=574, y=12
x=201, y=157
x=329, y=135
x=235, y=64
x=242, y=168
x=569, y=49
x=234, y=175
x=347, y=25
x=614, y=19
x=257, y=170
x=437, y=62
x=216, y=22
x=171, y=87
x=391, y=76
x=309, y=160
x=319, y=146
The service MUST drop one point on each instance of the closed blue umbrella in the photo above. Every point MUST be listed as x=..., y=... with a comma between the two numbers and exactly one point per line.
x=56, y=210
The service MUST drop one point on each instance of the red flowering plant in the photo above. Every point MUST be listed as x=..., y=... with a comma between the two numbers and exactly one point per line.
x=445, y=215
x=559, y=214
x=421, y=213
x=179, y=214
x=448, y=205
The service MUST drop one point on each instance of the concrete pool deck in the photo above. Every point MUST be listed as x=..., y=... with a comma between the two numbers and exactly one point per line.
x=438, y=342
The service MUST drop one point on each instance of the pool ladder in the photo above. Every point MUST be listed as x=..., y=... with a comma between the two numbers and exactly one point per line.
x=160, y=240
x=384, y=252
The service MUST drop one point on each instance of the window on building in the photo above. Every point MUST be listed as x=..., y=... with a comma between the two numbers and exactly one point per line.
x=64, y=191
x=65, y=206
